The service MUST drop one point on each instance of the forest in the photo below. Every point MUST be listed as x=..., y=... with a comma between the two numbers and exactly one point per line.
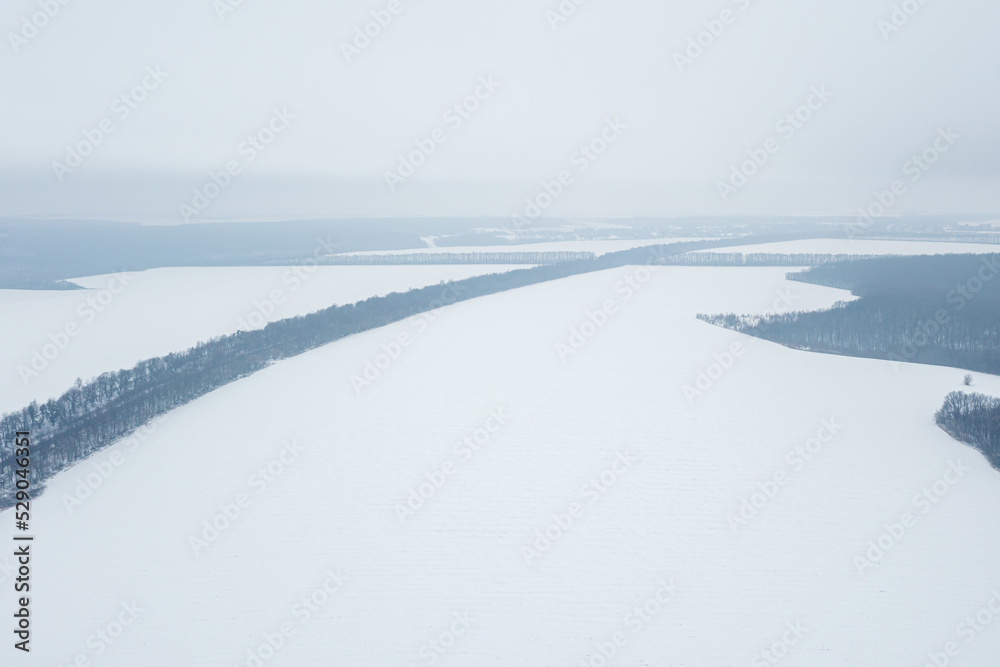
x=758, y=259
x=549, y=257
x=898, y=316
x=940, y=309
x=478, y=257
x=975, y=420
x=97, y=413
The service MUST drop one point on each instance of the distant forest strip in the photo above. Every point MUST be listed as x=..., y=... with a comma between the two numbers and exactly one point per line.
x=975, y=420
x=95, y=414
x=499, y=257
x=990, y=238
x=550, y=257
x=941, y=309
x=39, y=254
x=759, y=259
x=43, y=254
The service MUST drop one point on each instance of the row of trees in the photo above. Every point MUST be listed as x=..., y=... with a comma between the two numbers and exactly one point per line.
x=945, y=237
x=934, y=310
x=973, y=419
x=504, y=257
x=93, y=415
x=548, y=257
x=759, y=259
x=97, y=413
x=902, y=330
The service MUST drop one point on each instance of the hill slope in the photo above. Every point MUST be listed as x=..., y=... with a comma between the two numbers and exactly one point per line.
x=680, y=468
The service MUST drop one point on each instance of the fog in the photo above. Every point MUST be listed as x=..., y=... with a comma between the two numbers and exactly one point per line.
x=828, y=101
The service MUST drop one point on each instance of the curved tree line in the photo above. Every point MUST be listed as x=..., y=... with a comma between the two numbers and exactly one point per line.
x=499, y=257
x=940, y=310
x=973, y=419
x=95, y=414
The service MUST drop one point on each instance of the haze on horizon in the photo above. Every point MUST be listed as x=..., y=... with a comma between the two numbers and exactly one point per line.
x=211, y=73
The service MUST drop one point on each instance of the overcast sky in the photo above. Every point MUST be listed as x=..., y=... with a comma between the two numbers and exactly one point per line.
x=679, y=125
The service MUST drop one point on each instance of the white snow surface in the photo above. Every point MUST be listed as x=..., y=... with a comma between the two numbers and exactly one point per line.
x=665, y=518
x=862, y=247
x=160, y=311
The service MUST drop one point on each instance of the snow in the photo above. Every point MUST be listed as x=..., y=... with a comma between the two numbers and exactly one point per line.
x=863, y=247
x=664, y=518
x=160, y=311
x=597, y=247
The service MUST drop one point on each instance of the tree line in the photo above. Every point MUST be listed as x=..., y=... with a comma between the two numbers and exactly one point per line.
x=551, y=257
x=95, y=414
x=759, y=259
x=105, y=409
x=940, y=310
x=498, y=257
x=973, y=419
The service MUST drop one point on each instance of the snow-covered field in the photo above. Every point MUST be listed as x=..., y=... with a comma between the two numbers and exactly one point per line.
x=636, y=486
x=596, y=247
x=863, y=247
x=121, y=320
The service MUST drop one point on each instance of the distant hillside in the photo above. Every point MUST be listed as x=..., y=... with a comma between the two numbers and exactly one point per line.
x=941, y=309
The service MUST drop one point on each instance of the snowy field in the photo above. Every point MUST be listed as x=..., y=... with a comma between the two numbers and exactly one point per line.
x=863, y=247
x=498, y=436
x=596, y=247
x=122, y=320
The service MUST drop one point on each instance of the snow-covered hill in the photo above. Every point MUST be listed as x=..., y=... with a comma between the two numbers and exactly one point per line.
x=124, y=318
x=492, y=499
